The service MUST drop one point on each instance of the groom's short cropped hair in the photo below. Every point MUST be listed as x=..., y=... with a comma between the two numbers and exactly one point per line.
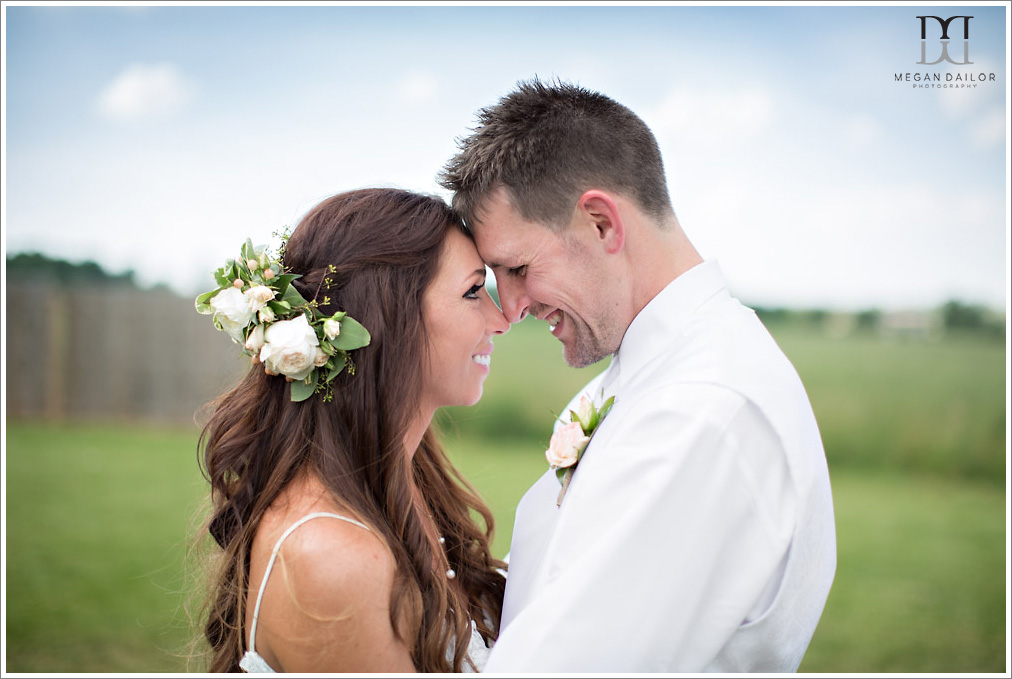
x=547, y=144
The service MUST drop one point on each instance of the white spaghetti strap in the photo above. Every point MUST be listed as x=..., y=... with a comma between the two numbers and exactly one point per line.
x=274, y=555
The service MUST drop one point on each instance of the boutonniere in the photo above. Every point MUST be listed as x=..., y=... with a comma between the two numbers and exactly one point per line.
x=568, y=443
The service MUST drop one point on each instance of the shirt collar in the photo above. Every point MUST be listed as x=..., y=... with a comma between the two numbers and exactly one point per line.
x=653, y=328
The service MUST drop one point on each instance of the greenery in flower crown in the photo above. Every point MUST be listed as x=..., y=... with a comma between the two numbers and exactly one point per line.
x=257, y=305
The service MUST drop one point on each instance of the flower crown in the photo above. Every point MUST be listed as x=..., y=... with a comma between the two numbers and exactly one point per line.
x=256, y=304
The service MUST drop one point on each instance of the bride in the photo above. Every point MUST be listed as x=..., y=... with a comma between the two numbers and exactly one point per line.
x=345, y=538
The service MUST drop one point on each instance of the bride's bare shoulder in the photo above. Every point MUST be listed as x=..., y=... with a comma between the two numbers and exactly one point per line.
x=325, y=554
x=326, y=606
x=329, y=555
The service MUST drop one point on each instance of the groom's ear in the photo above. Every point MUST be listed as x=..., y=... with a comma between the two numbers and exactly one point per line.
x=597, y=209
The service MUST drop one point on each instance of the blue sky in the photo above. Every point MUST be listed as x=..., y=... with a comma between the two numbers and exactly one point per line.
x=157, y=138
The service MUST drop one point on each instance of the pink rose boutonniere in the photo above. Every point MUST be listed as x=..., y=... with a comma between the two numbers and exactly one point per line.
x=569, y=441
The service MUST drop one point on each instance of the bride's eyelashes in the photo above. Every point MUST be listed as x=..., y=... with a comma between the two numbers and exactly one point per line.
x=472, y=292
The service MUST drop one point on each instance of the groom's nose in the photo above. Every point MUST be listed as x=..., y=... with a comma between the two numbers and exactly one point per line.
x=513, y=298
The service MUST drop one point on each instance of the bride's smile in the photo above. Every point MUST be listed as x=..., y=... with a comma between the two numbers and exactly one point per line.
x=460, y=319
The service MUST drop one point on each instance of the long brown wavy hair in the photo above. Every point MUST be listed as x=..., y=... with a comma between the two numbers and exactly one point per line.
x=384, y=246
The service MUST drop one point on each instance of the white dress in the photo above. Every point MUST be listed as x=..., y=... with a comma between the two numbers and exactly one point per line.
x=477, y=651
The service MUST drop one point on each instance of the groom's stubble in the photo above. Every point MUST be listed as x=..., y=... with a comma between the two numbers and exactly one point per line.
x=588, y=344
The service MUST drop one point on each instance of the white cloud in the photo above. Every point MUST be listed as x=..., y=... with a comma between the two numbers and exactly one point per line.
x=963, y=102
x=990, y=129
x=854, y=245
x=862, y=130
x=416, y=87
x=144, y=91
x=977, y=105
x=712, y=117
x=767, y=167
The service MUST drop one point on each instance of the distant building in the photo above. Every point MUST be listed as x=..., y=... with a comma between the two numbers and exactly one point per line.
x=925, y=326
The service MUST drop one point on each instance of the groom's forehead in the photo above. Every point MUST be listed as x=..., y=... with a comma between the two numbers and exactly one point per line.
x=495, y=241
x=504, y=238
x=494, y=251
x=505, y=246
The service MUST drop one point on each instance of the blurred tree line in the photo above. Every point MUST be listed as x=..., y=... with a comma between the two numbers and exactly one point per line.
x=36, y=266
x=953, y=316
x=82, y=342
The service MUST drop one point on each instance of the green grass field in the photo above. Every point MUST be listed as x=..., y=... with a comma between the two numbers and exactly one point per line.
x=99, y=516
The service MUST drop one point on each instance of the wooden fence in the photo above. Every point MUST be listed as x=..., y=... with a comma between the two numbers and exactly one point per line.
x=112, y=352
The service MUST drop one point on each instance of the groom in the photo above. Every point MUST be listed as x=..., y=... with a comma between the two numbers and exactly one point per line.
x=697, y=532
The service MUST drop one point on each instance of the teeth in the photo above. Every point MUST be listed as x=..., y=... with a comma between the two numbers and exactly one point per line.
x=483, y=359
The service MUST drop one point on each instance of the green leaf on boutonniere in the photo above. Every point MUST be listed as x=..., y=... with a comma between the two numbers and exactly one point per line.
x=605, y=407
x=586, y=425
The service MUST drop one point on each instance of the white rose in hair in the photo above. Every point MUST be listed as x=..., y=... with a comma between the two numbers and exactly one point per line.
x=332, y=328
x=255, y=341
x=232, y=312
x=258, y=296
x=290, y=348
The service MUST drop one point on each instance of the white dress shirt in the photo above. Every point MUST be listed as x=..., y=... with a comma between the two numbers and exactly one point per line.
x=697, y=533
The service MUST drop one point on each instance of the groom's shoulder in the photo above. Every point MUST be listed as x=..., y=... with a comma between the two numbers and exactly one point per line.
x=726, y=350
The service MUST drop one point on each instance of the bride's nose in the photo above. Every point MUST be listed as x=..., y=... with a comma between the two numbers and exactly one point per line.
x=495, y=321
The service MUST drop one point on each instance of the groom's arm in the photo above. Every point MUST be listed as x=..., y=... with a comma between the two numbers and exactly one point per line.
x=671, y=536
